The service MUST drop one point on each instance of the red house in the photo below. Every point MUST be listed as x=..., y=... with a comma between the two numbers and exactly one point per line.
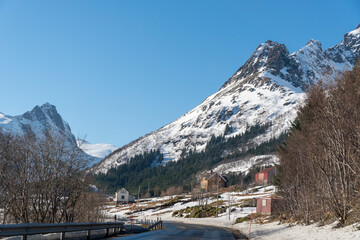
x=265, y=176
x=267, y=205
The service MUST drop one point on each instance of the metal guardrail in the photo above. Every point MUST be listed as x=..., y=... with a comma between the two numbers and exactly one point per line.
x=145, y=221
x=156, y=225
x=37, y=228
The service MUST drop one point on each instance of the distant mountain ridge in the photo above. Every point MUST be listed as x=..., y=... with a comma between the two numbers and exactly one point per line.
x=268, y=88
x=46, y=119
x=98, y=150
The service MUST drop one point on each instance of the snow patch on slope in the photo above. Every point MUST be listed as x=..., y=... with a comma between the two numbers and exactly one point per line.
x=98, y=150
x=244, y=165
x=4, y=119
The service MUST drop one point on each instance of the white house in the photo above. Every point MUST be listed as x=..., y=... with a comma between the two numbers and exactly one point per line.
x=123, y=196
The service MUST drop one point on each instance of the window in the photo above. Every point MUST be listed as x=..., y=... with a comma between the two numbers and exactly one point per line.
x=122, y=197
x=264, y=202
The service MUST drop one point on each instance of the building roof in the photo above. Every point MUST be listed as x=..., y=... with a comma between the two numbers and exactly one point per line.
x=121, y=190
x=266, y=170
x=276, y=197
x=210, y=175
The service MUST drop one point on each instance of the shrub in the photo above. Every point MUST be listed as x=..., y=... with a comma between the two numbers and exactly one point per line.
x=242, y=219
x=175, y=213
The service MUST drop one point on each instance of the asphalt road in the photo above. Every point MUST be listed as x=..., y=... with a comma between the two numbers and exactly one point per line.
x=175, y=230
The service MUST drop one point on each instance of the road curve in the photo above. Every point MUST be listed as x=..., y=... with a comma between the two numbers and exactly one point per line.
x=176, y=230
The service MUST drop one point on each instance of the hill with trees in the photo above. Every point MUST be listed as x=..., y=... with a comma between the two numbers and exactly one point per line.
x=148, y=171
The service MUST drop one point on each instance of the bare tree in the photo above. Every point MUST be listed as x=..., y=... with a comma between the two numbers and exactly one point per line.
x=42, y=180
x=320, y=161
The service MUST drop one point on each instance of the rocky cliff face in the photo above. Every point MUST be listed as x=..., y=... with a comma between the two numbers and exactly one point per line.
x=38, y=122
x=268, y=88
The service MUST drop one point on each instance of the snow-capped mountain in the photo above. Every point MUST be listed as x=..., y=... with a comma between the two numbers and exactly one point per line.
x=38, y=121
x=45, y=119
x=269, y=87
x=97, y=150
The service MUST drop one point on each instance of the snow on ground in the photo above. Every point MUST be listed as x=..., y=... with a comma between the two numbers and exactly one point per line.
x=244, y=165
x=272, y=230
x=155, y=209
x=275, y=230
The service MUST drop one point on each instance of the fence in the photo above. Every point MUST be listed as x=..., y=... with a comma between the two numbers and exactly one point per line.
x=36, y=228
x=143, y=221
x=156, y=225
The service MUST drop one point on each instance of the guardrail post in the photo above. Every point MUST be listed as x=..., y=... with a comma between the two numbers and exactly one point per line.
x=88, y=234
x=107, y=232
x=62, y=236
x=24, y=237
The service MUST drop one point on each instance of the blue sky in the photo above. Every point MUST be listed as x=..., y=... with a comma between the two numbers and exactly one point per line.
x=117, y=70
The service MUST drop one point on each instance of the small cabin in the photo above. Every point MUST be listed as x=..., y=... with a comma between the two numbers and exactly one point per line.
x=267, y=205
x=123, y=196
x=266, y=176
x=210, y=180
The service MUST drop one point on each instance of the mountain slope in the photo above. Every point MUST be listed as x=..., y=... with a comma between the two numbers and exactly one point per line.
x=268, y=88
x=98, y=150
x=40, y=121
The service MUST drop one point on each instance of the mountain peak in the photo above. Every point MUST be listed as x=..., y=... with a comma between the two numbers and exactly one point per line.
x=35, y=113
x=354, y=33
x=272, y=43
x=266, y=46
x=44, y=112
x=316, y=43
x=47, y=104
x=269, y=55
x=46, y=107
x=267, y=52
x=351, y=44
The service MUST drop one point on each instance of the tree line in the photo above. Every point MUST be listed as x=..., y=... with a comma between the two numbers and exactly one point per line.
x=156, y=179
x=320, y=160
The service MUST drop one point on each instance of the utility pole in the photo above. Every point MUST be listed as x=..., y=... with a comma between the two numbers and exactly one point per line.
x=139, y=193
x=229, y=208
x=200, y=196
x=217, y=195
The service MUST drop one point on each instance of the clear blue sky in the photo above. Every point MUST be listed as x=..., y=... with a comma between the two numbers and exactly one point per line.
x=117, y=70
